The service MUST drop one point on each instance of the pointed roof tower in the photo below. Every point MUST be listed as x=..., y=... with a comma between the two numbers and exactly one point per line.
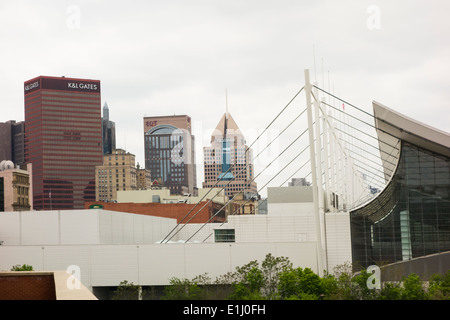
x=105, y=112
x=226, y=127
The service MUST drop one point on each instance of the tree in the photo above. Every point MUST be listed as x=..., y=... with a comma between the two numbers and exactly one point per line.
x=183, y=289
x=251, y=281
x=126, y=291
x=24, y=267
x=275, y=278
x=339, y=285
x=413, y=289
x=254, y=282
x=272, y=267
x=300, y=284
x=440, y=286
x=391, y=291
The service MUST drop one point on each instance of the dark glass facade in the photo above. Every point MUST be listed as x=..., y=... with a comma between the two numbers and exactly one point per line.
x=108, y=132
x=411, y=217
x=169, y=154
x=12, y=139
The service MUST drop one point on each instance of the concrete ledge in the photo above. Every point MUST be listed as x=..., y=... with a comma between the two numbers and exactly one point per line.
x=68, y=288
x=42, y=285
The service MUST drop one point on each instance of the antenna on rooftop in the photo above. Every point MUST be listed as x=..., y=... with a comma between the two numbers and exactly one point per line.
x=226, y=102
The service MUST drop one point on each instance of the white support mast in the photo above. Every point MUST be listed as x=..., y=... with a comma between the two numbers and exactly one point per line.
x=314, y=184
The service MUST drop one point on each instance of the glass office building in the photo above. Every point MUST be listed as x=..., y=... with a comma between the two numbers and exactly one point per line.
x=410, y=218
x=170, y=153
x=63, y=140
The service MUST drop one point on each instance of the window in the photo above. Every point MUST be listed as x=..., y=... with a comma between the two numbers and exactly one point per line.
x=224, y=235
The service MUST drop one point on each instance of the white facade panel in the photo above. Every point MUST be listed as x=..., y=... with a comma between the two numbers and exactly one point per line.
x=117, y=228
x=338, y=235
x=156, y=228
x=289, y=208
x=213, y=259
x=105, y=227
x=20, y=255
x=42, y=227
x=72, y=259
x=79, y=227
x=112, y=264
x=138, y=228
x=108, y=265
x=128, y=228
x=10, y=228
x=243, y=253
x=159, y=263
x=305, y=257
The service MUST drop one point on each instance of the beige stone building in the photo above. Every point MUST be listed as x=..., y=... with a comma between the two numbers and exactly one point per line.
x=118, y=173
x=16, y=191
x=143, y=178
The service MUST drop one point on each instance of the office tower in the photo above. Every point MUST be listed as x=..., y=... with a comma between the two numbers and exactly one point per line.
x=118, y=172
x=170, y=152
x=63, y=140
x=12, y=139
x=108, y=132
x=228, y=161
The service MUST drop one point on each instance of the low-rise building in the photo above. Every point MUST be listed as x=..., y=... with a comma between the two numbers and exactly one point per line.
x=16, y=188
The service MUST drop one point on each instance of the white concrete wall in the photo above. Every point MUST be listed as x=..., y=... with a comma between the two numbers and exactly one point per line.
x=81, y=227
x=110, y=247
x=338, y=235
x=291, y=223
x=108, y=265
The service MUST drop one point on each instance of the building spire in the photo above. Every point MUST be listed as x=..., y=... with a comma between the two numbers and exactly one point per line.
x=226, y=103
x=105, y=112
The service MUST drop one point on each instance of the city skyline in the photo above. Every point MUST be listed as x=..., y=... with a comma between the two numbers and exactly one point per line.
x=156, y=59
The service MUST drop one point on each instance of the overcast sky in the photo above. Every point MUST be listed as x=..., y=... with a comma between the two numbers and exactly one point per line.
x=178, y=57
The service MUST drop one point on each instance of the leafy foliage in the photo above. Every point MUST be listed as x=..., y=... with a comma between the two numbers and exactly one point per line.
x=24, y=267
x=275, y=278
x=126, y=291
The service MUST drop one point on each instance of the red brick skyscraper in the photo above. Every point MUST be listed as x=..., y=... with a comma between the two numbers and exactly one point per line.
x=63, y=140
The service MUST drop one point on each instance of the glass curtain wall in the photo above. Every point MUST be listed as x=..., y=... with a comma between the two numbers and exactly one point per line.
x=411, y=217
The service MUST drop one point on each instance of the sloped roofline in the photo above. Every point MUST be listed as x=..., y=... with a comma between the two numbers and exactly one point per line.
x=410, y=130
